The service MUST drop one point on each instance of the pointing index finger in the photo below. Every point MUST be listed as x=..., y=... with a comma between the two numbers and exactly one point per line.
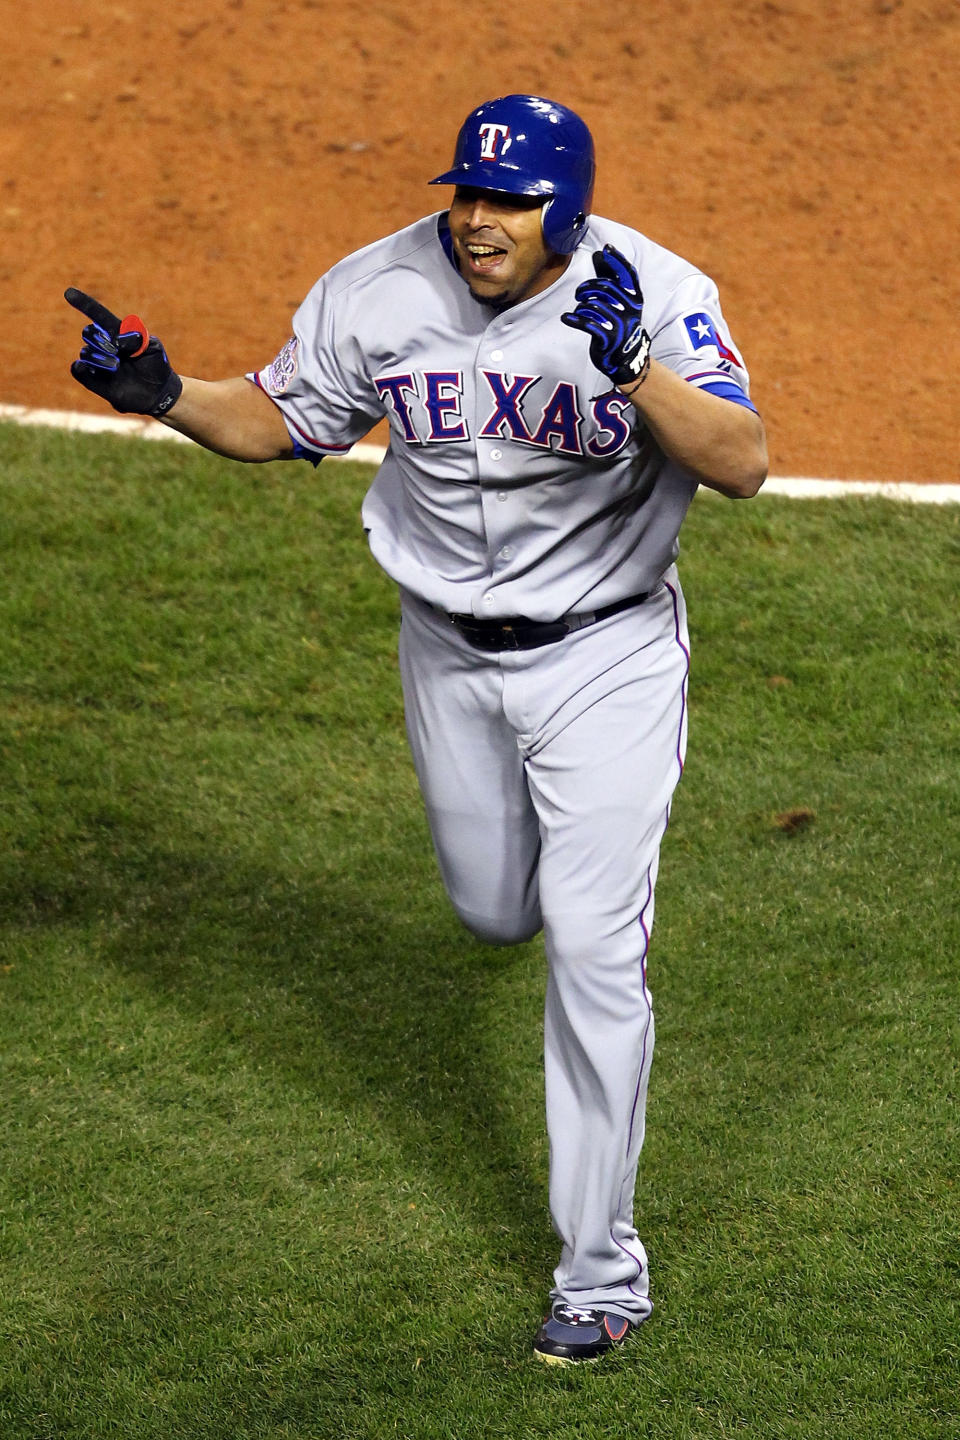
x=93, y=310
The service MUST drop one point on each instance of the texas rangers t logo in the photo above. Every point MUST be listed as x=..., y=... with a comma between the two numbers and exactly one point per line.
x=490, y=138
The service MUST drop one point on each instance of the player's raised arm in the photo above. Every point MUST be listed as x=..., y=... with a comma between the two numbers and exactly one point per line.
x=721, y=442
x=129, y=369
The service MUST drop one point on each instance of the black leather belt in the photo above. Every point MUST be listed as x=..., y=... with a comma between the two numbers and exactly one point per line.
x=516, y=632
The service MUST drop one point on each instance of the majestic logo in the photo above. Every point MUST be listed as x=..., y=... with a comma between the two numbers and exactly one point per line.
x=491, y=136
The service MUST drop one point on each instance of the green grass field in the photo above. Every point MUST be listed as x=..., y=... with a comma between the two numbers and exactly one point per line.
x=273, y=1150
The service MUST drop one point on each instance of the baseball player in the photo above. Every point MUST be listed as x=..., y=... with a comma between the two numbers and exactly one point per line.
x=557, y=386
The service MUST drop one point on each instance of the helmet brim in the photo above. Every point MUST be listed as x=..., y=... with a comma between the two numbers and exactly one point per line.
x=502, y=179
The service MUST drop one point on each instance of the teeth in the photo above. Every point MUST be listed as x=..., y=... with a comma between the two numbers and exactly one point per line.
x=481, y=250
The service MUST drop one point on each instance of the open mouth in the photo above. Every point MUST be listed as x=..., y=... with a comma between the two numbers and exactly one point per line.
x=483, y=258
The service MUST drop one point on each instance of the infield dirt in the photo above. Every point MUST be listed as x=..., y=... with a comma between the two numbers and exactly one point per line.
x=205, y=169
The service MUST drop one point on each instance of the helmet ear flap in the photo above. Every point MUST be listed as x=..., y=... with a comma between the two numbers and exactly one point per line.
x=577, y=229
x=562, y=231
x=544, y=212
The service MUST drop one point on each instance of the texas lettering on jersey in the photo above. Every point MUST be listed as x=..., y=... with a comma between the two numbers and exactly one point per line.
x=427, y=406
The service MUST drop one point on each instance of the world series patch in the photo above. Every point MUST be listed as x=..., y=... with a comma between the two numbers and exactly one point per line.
x=282, y=372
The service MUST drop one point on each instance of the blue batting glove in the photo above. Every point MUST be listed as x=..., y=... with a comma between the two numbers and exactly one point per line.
x=135, y=377
x=610, y=310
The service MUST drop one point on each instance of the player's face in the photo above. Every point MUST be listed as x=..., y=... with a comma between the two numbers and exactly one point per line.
x=499, y=245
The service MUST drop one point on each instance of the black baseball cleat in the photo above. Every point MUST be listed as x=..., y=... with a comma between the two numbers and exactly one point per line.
x=570, y=1334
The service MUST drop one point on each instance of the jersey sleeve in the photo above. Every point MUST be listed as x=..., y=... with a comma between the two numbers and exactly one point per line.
x=692, y=339
x=319, y=380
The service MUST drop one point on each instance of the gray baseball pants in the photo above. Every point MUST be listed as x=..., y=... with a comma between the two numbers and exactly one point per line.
x=547, y=776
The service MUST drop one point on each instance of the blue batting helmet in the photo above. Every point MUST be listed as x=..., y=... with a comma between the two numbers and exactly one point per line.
x=522, y=145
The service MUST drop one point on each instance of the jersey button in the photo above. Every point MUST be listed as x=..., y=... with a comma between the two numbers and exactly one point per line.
x=496, y=354
x=496, y=454
x=506, y=552
x=488, y=598
x=501, y=494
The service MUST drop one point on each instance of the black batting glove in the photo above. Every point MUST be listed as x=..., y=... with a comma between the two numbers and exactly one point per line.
x=122, y=365
x=610, y=310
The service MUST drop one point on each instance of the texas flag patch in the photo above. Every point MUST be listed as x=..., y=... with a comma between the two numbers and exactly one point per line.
x=703, y=333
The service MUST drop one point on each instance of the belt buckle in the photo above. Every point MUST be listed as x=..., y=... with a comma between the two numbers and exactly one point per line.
x=539, y=633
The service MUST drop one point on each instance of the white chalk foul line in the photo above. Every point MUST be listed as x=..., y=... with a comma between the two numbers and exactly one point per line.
x=797, y=486
x=140, y=428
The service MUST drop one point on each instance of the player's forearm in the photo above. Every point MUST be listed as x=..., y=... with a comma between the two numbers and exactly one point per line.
x=720, y=442
x=232, y=417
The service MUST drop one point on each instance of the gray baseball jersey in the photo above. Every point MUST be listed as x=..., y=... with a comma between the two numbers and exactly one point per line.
x=517, y=482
